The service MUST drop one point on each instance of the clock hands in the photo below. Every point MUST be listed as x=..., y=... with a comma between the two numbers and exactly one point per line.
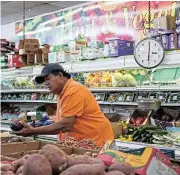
x=149, y=53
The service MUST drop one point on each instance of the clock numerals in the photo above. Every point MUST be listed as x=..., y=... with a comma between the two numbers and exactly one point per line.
x=149, y=53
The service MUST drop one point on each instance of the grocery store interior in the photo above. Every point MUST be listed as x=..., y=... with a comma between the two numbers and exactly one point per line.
x=90, y=87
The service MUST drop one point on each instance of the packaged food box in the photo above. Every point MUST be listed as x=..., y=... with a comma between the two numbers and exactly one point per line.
x=174, y=98
x=119, y=47
x=113, y=97
x=121, y=97
x=129, y=97
x=152, y=95
x=141, y=95
x=99, y=96
x=165, y=22
x=162, y=96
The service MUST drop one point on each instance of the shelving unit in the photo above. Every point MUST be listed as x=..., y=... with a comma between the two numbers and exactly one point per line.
x=123, y=62
x=100, y=102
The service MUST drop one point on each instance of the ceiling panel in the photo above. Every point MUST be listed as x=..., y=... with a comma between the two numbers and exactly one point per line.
x=12, y=10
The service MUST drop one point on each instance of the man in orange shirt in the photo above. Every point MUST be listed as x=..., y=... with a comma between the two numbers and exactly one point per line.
x=78, y=114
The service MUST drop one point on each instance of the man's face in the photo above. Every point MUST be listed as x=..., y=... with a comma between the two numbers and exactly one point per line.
x=54, y=83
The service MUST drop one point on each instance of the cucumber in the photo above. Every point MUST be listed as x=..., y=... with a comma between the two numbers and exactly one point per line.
x=159, y=132
x=151, y=140
x=143, y=135
x=148, y=135
x=143, y=139
x=146, y=127
x=136, y=138
x=135, y=133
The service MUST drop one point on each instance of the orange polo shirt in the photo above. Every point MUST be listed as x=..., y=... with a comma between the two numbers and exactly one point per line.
x=76, y=100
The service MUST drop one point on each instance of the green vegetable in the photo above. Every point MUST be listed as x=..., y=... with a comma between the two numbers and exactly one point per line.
x=159, y=132
x=158, y=141
x=143, y=139
x=143, y=135
x=148, y=127
x=135, y=133
x=151, y=140
x=157, y=137
x=136, y=138
x=148, y=135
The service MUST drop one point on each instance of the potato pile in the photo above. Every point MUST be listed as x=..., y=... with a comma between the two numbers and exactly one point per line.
x=84, y=143
x=51, y=160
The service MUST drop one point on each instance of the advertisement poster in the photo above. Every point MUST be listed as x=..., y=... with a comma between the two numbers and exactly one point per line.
x=95, y=21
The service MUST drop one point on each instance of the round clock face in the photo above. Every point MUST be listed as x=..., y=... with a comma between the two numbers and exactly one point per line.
x=149, y=53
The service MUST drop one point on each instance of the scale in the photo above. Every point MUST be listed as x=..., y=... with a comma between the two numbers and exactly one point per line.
x=149, y=53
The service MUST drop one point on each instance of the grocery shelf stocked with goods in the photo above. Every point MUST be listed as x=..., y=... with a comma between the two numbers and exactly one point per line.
x=135, y=79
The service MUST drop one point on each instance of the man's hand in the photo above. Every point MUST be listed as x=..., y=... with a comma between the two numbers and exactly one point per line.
x=27, y=130
x=65, y=125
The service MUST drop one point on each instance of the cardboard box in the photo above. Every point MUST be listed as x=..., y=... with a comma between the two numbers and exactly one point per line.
x=8, y=148
x=31, y=47
x=30, y=58
x=29, y=44
x=152, y=161
x=5, y=139
x=165, y=22
x=46, y=50
x=117, y=129
x=38, y=58
x=44, y=58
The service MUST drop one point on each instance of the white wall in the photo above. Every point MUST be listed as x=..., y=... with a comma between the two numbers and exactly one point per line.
x=8, y=31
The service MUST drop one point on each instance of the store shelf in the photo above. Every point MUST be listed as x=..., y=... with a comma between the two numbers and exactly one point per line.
x=123, y=62
x=27, y=101
x=99, y=102
x=113, y=89
x=23, y=90
x=134, y=104
x=118, y=89
x=160, y=88
x=117, y=103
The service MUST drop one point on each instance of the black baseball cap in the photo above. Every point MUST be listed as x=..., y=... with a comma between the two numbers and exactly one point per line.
x=51, y=68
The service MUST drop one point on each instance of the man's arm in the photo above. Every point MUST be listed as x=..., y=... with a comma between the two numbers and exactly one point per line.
x=65, y=125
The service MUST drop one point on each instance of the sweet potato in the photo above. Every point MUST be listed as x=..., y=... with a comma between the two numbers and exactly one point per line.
x=82, y=159
x=19, y=170
x=7, y=173
x=84, y=169
x=56, y=157
x=7, y=167
x=37, y=165
x=18, y=163
x=115, y=173
x=124, y=167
